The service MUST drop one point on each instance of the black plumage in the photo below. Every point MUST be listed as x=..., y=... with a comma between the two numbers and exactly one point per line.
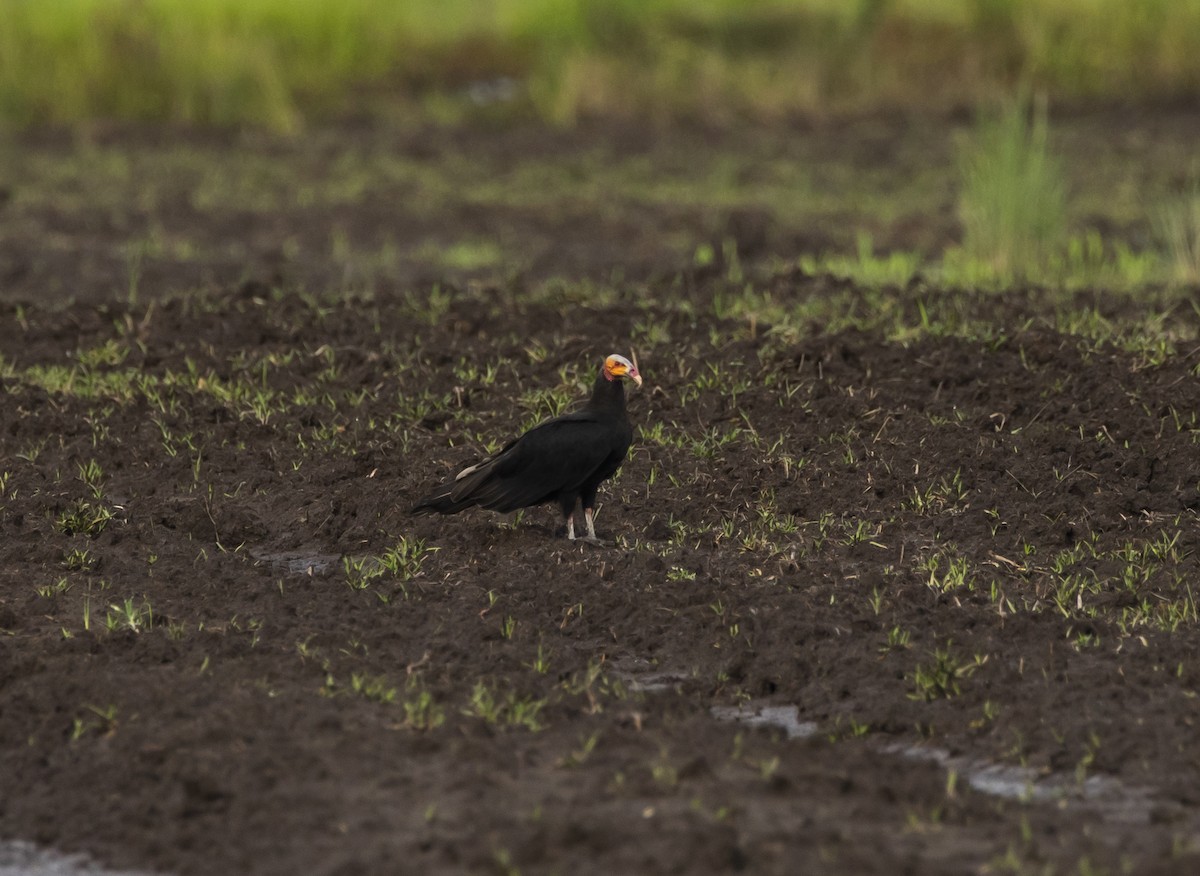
x=563, y=460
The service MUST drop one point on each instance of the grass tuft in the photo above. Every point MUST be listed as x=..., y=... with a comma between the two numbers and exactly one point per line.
x=1013, y=199
x=1178, y=226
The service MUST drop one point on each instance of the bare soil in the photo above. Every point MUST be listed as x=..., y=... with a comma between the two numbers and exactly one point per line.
x=967, y=561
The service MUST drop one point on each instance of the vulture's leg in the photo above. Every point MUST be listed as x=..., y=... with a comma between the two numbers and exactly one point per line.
x=566, y=505
x=590, y=538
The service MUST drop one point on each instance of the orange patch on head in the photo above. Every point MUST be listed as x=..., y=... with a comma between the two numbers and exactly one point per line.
x=617, y=367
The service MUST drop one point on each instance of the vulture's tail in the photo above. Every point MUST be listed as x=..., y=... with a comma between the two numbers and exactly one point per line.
x=469, y=488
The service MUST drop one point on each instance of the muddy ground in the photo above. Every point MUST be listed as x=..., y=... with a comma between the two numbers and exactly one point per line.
x=899, y=581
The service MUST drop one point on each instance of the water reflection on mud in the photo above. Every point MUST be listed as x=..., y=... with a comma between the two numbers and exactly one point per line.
x=18, y=858
x=299, y=563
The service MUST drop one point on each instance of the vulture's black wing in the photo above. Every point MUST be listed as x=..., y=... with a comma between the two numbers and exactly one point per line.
x=551, y=460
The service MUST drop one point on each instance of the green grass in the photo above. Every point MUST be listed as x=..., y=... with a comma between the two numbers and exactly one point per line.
x=508, y=710
x=865, y=266
x=84, y=518
x=399, y=563
x=278, y=64
x=942, y=677
x=1013, y=199
x=463, y=255
x=1178, y=225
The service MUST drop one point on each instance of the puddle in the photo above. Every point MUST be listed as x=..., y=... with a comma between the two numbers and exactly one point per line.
x=298, y=563
x=785, y=718
x=486, y=92
x=1107, y=797
x=1110, y=797
x=999, y=780
x=641, y=676
x=26, y=859
x=652, y=682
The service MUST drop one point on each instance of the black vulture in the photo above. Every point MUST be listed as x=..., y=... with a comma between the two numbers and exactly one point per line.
x=562, y=460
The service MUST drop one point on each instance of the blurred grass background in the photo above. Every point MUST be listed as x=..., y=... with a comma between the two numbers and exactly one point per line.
x=285, y=63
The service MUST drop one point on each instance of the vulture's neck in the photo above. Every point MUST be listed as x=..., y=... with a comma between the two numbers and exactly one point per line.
x=607, y=395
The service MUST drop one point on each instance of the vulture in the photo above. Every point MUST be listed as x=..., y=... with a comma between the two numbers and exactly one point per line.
x=563, y=460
